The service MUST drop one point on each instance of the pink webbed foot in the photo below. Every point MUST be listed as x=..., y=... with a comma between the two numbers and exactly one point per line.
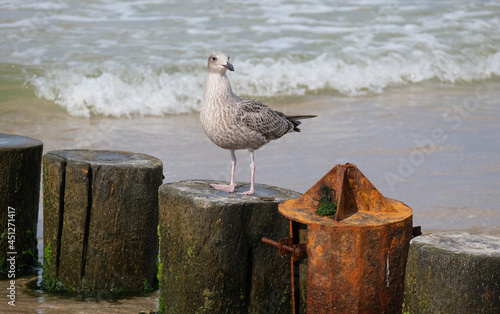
x=249, y=192
x=229, y=188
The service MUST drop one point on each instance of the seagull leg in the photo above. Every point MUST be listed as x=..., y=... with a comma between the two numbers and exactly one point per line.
x=228, y=188
x=252, y=180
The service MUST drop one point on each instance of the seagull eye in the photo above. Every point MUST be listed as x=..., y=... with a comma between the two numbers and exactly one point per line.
x=214, y=58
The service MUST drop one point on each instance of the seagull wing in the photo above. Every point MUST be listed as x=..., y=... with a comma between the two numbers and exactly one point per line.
x=260, y=118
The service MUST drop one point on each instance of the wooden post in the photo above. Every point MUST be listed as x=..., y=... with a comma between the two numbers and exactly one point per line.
x=100, y=221
x=211, y=255
x=453, y=273
x=20, y=163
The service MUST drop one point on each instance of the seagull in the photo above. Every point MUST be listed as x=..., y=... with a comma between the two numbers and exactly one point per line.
x=232, y=122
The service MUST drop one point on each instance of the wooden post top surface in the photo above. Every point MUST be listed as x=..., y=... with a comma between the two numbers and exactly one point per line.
x=461, y=242
x=106, y=157
x=12, y=141
x=200, y=190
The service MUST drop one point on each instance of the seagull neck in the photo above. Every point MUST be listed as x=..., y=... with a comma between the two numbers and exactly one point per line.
x=218, y=84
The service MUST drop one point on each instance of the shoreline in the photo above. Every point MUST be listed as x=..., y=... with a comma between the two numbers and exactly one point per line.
x=435, y=148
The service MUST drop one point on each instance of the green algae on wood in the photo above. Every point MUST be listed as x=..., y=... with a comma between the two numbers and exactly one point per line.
x=211, y=250
x=100, y=219
x=453, y=273
x=50, y=283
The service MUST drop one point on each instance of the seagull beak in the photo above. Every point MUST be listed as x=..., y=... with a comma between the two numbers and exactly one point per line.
x=229, y=66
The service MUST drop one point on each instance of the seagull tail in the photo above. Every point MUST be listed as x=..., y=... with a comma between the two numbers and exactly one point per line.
x=296, y=120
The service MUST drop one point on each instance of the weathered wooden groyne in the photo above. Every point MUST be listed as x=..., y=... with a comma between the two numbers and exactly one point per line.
x=211, y=254
x=20, y=163
x=100, y=221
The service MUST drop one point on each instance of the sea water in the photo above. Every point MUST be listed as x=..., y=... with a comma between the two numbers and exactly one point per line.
x=136, y=58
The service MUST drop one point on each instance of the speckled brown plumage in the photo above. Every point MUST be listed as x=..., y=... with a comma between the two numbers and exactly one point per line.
x=234, y=122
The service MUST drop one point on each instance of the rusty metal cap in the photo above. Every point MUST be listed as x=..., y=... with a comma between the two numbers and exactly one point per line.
x=358, y=201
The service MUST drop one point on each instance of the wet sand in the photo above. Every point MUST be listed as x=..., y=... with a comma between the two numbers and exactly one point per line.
x=36, y=301
x=434, y=147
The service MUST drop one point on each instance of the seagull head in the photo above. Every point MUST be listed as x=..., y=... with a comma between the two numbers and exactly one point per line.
x=218, y=62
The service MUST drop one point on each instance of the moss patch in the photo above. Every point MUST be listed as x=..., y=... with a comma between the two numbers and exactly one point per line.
x=47, y=257
x=209, y=303
x=48, y=283
x=326, y=206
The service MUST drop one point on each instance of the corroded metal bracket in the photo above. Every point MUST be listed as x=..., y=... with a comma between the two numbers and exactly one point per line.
x=356, y=254
x=286, y=246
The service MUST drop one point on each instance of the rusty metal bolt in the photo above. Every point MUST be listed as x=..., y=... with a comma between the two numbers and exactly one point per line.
x=286, y=246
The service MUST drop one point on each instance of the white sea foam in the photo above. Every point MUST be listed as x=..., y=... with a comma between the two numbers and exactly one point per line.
x=144, y=91
x=148, y=57
x=120, y=93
